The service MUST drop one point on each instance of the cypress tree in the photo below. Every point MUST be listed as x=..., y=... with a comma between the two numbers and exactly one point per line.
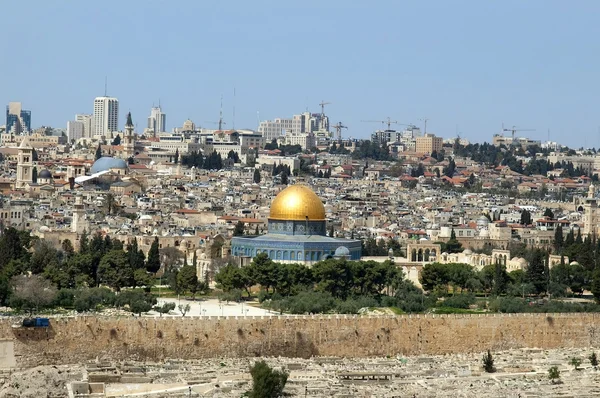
x=153, y=263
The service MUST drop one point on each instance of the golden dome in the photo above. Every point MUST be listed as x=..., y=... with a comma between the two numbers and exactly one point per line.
x=296, y=202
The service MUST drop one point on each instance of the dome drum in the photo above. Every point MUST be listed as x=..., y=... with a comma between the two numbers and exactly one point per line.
x=292, y=227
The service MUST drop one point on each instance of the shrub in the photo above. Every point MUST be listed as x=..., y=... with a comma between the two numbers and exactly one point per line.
x=554, y=374
x=459, y=301
x=304, y=303
x=93, y=298
x=488, y=362
x=64, y=298
x=267, y=382
x=575, y=362
x=593, y=359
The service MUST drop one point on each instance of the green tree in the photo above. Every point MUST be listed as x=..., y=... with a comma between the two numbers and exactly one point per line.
x=165, y=308
x=266, y=382
x=453, y=245
x=117, y=140
x=558, y=239
x=153, y=263
x=231, y=277
x=239, y=229
x=554, y=374
x=256, y=177
x=575, y=362
x=536, y=271
x=335, y=277
x=488, y=362
x=526, y=217
x=176, y=159
x=99, y=152
x=188, y=280
x=114, y=270
x=262, y=271
x=593, y=359
x=34, y=174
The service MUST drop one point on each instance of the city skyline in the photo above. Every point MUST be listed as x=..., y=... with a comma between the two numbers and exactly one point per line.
x=466, y=67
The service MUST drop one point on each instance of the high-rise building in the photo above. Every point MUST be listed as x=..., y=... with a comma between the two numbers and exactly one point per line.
x=74, y=130
x=157, y=122
x=428, y=144
x=87, y=124
x=106, y=115
x=18, y=121
x=298, y=124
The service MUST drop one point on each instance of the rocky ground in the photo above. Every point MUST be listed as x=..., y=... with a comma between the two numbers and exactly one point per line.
x=519, y=373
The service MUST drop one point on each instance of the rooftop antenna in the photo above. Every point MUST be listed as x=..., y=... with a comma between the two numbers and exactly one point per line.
x=424, y=120
x=258, y=118
x=233, y=108
x=105, y=86
x=221, y=115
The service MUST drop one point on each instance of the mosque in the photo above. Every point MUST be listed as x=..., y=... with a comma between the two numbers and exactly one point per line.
x=296, y=232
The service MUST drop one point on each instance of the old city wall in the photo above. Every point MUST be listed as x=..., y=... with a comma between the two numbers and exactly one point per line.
x=78, y=339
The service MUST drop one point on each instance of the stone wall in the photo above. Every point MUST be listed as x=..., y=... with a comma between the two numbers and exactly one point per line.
x=78, y=339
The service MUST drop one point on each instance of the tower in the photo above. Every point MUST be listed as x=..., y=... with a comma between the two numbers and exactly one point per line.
x=129, y=138
x=157, y=120
x=78, y=225
x=590, y=221
x=106, y=115
x=24, y=164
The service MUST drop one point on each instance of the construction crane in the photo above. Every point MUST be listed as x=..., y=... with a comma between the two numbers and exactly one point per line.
x=338, y=130
x=515, y=129
x=389, y=122
x=322, y=105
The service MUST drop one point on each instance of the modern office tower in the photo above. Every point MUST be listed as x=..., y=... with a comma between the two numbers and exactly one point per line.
x=74, y=130
x=429, y=143
x=157, y=121
x=18, y=121
x=87, y=124
x=106, y=115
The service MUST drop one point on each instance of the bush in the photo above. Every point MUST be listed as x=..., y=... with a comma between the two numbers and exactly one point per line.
x=93, y=299
x=304, y=303
x=263, y=295
x=459, y=301
x=488, y=362
x=554, y=374
x=65, y=298
x=507, y=305
x=234, y=295
x=267, y=382
x=136, y=300
x=352, y=305
x=410, y=298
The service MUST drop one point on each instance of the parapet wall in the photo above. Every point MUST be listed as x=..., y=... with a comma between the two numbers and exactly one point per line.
x=78, y=339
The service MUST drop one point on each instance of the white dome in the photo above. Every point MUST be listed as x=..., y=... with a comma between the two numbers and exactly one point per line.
x=467, y=252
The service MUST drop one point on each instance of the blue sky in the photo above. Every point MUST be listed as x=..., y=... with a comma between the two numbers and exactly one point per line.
x=465, y=65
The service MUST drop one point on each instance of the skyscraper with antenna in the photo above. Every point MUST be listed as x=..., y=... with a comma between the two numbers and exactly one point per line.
x=106, y=116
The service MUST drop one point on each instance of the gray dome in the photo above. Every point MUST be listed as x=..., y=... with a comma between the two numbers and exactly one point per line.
x=342, y=251
x=107, y=163
x=45, y=174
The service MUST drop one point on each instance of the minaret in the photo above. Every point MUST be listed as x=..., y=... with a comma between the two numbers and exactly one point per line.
x=24, y=164
x=129, y=138
x=590, y=223
x=77, y=225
